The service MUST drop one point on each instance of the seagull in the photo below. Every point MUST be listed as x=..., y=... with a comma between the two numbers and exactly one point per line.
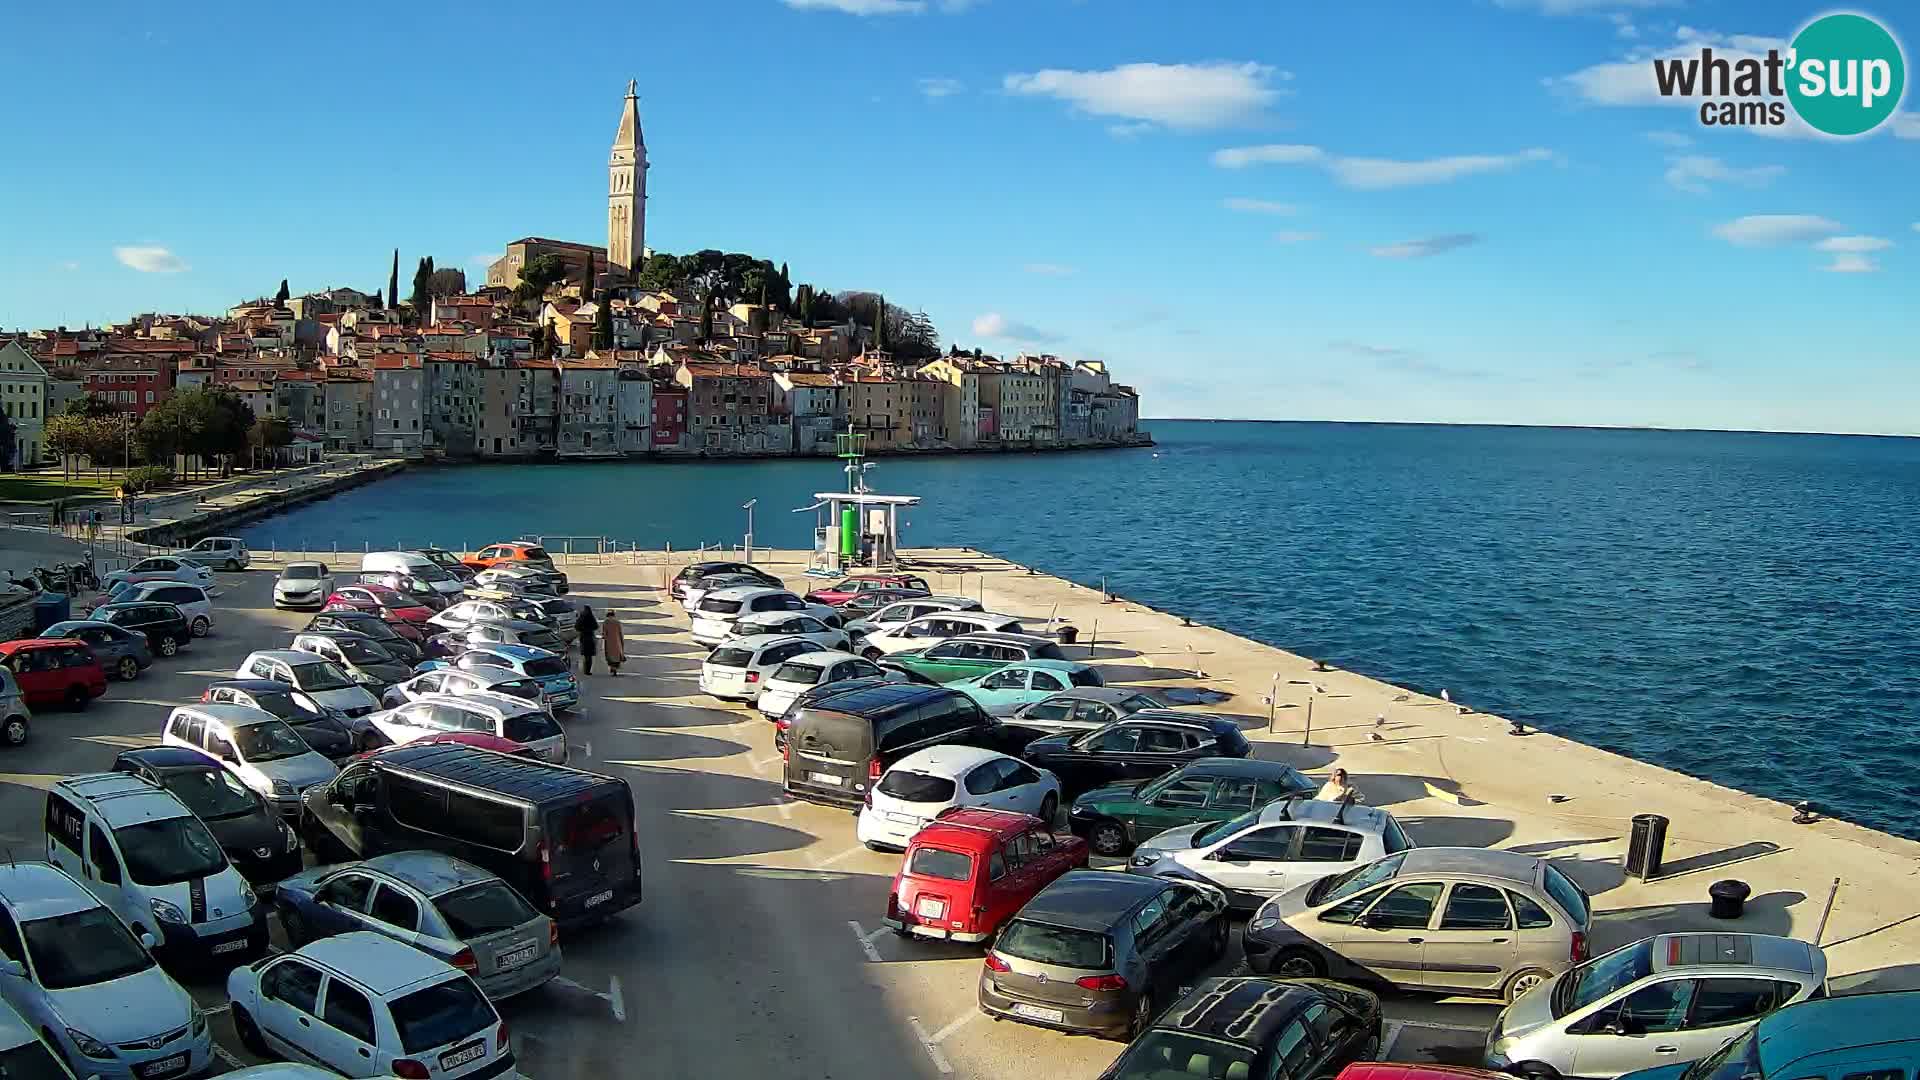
x=1380, y=721
x=1446, y=697
x=1374, y=736
x=1318, y=689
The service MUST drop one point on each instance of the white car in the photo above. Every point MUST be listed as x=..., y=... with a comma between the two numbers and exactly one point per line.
x=467, y=612
x=257, y=747
x=738, y=668
x=919, y=786
x=460, y=683
x=192, y=600
x=73, y=970
x=226, y=552
x=713, y=583
x=806, y=671
x=303, y=584
x=515, y=719
x=160, y=568
x=1269, y=849
x=321, y=679
x=792, y=624
x=934, y=628
x=901, y=610
x=713, y=619
x=516, y=579
x=366, y=1005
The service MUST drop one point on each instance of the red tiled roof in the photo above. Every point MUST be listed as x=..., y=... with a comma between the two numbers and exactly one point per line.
x=396, y=362
x=811, y=378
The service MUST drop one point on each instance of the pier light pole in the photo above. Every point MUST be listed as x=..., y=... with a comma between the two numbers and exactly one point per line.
x=748, y=507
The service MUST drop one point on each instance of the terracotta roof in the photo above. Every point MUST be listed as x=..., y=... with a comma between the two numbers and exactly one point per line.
x=249, y=386
x=724, y=371
x=451, y=357
x=597, y=363
x=396, y=362
x=811, y=378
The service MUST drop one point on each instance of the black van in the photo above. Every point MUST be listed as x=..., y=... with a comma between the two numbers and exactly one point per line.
x=565, y=838
x=839, y=744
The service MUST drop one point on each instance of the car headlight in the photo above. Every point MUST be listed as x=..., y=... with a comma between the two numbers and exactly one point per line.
x=1143, y=859
x=167, y=912
x=290, y=838
x=1263, y=923
x=1076, y=810
x=199, y=1022
x=284, y=788
x=89, y=1045
x=248, y=898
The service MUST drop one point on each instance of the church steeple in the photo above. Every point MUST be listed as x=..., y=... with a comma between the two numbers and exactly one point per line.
x=627, y=189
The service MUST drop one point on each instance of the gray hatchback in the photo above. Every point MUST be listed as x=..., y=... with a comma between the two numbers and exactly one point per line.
x=123, y=653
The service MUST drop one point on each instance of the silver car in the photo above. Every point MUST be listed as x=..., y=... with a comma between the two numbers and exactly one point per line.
x=455, y=681
x=447, y=908
x=1666, y=1000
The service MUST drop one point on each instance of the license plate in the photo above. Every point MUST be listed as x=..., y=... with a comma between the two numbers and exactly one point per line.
x=453, y=1059
x=903, y=819
x=599, y=898
x=522, y=955
x=826, y=778
x=230, y=946
x=1035, y=1012
x=931, y=908
x=176, y=1063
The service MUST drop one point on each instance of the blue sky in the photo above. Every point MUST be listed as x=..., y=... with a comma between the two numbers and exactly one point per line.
x=1458, y=210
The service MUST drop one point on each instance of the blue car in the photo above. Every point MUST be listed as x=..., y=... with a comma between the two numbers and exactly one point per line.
x=549, y=669
x=1863, y=1035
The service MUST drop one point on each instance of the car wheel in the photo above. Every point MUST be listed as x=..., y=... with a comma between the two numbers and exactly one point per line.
x=77, y=697
x=249, y=1033
x=14, y=732
x=1142, y=1016
x=1523, y=981
x=1369, y=1050
x=168, y=646
x=1218, y=935
x=129, y=669
x=1108, y=837
x=1049, y=806
x=1535, y=1070
x=201, y=626
x=233, y=565
x=294, y=925
x=1299, y=963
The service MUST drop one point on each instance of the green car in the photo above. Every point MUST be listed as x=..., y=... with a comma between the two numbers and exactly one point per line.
x=969, y=655
x=1113, y=819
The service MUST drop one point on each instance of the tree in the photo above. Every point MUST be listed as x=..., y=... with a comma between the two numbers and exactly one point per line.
x=803, y=304
x=785, y=290
x=448, y=281
x=422, y=295
x=88, y=405
x=7, y=447
x=393, y=282
x=880, y=323
x=268, y=436
x=67, y=436
x=603, y=325
x=706, y=317
x=280, y=298
x=661, y=274
x=540, y=272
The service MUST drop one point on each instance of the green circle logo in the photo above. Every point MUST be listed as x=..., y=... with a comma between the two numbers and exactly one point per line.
x=1848, y=74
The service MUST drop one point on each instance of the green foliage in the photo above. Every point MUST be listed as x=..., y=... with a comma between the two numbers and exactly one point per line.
x=730, y=275
x=446, y=281
x=422, y=296
x=540, y=273
x=393, y=282
x=206, y=422
x=147, y=478
x=280, y=298
x=89, y=405
x=603, y=326
x=8, y=448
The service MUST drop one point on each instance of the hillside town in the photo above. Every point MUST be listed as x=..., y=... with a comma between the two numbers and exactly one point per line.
x=574, y=351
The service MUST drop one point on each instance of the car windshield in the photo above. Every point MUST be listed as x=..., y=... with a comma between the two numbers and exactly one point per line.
x=268, y=742
x=122, y=591
x=1738, y=1060
x=1059, y=945
x=1151, y=789
x=31, y=1060
x=362, y=652
x=429, y=572
x=482, y=909
x=211, y=794
x=919, y=787
x=545, y=668
x=1171, y=1054
x=529, y=727
x=303, y=572
x=441, y=1014
x=320, y=676
x=524, y=689
x=1209, y=833
x=287, y=705
x=1341, y=886
x=370, y=626
x=82, y=948
x=939, y=863
x=1603, y=975
x=1567, y=895
x=804, y=674
x=169, y=851
x=730, y=657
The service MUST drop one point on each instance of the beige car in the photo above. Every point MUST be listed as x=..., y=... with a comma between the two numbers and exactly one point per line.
x=1451, y=920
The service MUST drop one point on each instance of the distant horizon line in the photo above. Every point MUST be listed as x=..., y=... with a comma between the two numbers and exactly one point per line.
x=1537, y=427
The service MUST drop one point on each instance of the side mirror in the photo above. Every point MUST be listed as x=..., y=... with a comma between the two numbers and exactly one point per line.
x=148, y=940
x=1371, y=921
x=14, y=968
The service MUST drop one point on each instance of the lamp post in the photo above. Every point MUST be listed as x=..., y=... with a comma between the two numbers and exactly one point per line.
x=748, y=507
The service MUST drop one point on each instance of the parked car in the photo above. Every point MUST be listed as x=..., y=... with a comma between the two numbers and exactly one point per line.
x=899, y=611
x=391, y=1009
x=25, y=1053
x=510, y=552
x=122, y=653
x=1852, y=1037
x=807, y=697
x=1245, y=1026
x=479, y=740
x=736, y=668
x=493, y=609
x=160, y=568
x=378, y=600
x=972, y=655
x=1080, y=709
x=449, y=908
x=226, y=552
x=409, y=586
x=1139, y=748
x=1272, y=848
x=16, y=718
x=713, y=620
x=165, y=626
x=445, y=560
x=421, y=573
x=704, y=587
x=927, y=783
x=557, y=612
x=258, y=747
x=1399, y=1070
x=1095, y=951
x=303, y=585
x=192, y=600
x=257, y=841
x=854, y=584
x=867, y=603
x=365, y=660
x=54, y=671
x=1116, y=817
x=523, y=580
x=841, y=744
x=791, y=624
x=923, y=631
x=403, y=640
x=1006, y=688
x=1661, y=1001
x=1459, y=920
x=563, y=838
x=319, y=678
x=969, y=871
x=450, y=680
x=330, y=732
x=474, y=635
x=90, y=985
x=516, y=719
x=548, y=669
x=801, y=673
x=695, y=572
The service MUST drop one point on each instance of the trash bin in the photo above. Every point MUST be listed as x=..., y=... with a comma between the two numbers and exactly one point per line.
x=1069, y=635
x=1729, y=898
x=52, y=607
x=1647, y=846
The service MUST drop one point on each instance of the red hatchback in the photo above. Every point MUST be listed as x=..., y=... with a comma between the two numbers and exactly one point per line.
x=390, y=605
x=969, y=870
x=54, y=671
x=853, y=585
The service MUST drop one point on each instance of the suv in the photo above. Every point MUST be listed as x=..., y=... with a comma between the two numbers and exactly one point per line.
x=365, y=660
x=713, y=619
x=328, y=731
x=316, y=676
x=1116, y=817
x=165, y=626
x=892, y=615
x=1095, y=950
x=853, y=585
x=840, y=744
x=516, y=719
x=512, y=553
x=226, y=552
x=1868, y=1035
x=256, y=841
x=303, y=584
x=937, y=626
x=1272, y=848
x=1140, y=747
x=971, y=654
x=1081, y=709
x=738, y=668
x=403, y=640
x=54, y=671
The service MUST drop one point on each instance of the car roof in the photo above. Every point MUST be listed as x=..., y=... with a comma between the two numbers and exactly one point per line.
x=884, y=697
x=490, y=671
x=972, y=828
x=230, y=713
x=429, y=871
x=150, y=586
x=285, y=656
x=1695, y=950
x=1090, y=899
x=504, y=704
x=758, y=642
x=1484, y=862
x=121, y=799
x=502, y=774
x=822, y=656
x=1251, y=768
x=167, y=757
x=82, y=624
x=22, y=644
x=37, y=890
x=999, y=637
x=126, y=605
x=742, y=592
x=1395, y=1070
x=771, y=615
x=1216, y=724
x=379, y=963
x=1106, y=694
x=948, y=760
x=522, y=653
x=1813, y=1029
x=1245, y=1010
x=303, y=563
x=1314, y=811
x=253, y=686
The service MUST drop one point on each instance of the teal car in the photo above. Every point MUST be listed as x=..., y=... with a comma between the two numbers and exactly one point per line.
x=972, y=655
x=1114, y=819
x=1007, y=689
x=1870, y=1035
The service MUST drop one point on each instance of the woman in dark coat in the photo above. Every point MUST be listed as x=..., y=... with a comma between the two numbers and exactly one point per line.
x=586, y=626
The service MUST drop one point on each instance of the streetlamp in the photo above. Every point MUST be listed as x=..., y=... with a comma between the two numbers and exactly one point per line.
x=748, y=507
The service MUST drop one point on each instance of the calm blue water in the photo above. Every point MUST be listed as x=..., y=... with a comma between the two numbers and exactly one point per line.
x=1741, y=607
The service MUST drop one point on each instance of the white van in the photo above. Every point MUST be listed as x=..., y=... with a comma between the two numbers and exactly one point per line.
x=149, y=859
x=261, y=750
x=419, y=567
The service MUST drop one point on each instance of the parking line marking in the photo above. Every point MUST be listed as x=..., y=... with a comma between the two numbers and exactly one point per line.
x=831, y=859
x=766, y=761
x=216, y=1010
x=933, y=1050
x=1430, y=1025
x=226, y=1057
x=941, y=1035
x=1394, y=1027
x=866, y=946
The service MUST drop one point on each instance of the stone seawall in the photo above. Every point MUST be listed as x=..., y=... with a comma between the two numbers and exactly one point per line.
x=224, y=514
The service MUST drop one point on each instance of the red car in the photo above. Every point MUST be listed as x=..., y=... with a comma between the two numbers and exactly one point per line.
x=54, y=671
x=853, y=585
x=479, y=739
x=969, y=870
x=391, y=605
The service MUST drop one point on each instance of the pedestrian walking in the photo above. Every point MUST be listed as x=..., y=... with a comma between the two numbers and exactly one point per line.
x=586, y=626
x=1339, y=788
x=613, y=642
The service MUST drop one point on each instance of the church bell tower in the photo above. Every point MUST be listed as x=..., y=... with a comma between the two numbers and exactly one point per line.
x=627, y=190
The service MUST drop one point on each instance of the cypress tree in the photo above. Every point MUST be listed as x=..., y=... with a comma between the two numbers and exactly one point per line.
x=393, y=283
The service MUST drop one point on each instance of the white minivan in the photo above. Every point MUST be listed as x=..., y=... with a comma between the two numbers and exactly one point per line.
x=418, y=567
x=148, y=858
x=261, y=750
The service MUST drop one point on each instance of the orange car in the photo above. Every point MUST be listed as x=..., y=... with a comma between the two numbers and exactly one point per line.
x=510, y=553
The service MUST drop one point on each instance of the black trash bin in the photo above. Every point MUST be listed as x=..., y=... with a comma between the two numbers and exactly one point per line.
x=1647, y=847
x=1069, y=635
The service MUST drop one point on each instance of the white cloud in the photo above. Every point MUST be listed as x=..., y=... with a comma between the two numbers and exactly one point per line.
x=939, y=88
x=1128, y=131
x=1695, y=172
x=1853, y=244
x=1578, y=7
x=860, y=7
x=1916, y=226
x=1851, y=264
x=149, y=259
x=1048, y=269
x=995, y=325
x=68, y=266
x=1630, y=81
x=1766, y=230
x=1670, y=138
x=1259, y=206
x=1623, y=25
x=1372, y=174
x=1289, y=236
x=1905, y=125
x=1181, y=96
x=1239, y=157
x=1420, y=249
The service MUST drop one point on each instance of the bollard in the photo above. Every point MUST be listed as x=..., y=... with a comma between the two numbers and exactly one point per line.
x=1820, y=932
x=1306, y=738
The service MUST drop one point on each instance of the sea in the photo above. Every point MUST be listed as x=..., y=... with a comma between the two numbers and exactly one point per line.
x=1741, y=607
